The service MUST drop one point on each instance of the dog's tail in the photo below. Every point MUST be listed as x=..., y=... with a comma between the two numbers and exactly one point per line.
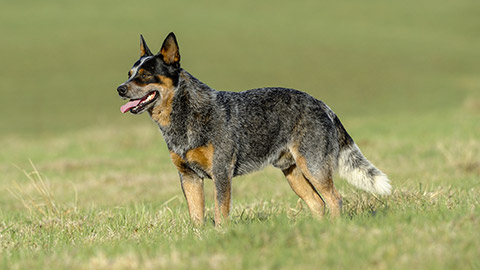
x=355, y=168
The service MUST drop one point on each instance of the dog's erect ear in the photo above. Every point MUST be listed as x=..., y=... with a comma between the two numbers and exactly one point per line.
x=169, y=50
x=144, y=50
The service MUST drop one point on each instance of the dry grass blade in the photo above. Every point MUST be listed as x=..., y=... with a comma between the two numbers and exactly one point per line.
x=43, y=205
x=6, y=229
x=170, y=200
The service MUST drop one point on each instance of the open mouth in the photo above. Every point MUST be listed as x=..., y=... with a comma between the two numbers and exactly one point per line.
x=140, y=104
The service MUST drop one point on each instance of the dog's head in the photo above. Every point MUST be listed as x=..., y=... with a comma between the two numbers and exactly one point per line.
x=151, y=77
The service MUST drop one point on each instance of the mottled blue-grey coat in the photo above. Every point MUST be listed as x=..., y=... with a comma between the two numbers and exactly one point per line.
x=219, y=135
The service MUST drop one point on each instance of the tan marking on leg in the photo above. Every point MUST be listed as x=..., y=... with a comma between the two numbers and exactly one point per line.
x=203, y=156
x=192, y=187
x=331, y=196
x=161, y=113
x=322, y=183
x=305, y=190
x=222, y=205
x=223, y=199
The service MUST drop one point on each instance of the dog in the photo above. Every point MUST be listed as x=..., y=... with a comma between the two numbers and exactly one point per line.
x=220, y=135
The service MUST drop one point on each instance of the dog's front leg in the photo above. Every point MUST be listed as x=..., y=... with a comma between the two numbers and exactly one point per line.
x=192, y=187
x=223, y=187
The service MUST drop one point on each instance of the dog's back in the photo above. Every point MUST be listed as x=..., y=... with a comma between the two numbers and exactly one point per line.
x=262, y=123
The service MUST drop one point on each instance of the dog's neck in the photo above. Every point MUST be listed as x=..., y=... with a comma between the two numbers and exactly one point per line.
x=196, y=92
x=191, y=107
x=192, y=84
x=189, y=95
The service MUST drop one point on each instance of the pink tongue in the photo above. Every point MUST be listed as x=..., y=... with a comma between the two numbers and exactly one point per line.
x=125, y=108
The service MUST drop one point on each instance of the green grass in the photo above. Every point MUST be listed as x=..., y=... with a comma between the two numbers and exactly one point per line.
x=103, y=194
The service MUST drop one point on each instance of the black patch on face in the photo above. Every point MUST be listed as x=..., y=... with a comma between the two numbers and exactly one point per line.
x=144, y=79
x=154, y=67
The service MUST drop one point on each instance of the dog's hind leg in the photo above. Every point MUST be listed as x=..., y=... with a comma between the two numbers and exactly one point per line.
x=329, y=193
x=304, y=189
x=319, y=174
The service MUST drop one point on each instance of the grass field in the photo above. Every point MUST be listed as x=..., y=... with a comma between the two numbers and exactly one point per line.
x=84, y=187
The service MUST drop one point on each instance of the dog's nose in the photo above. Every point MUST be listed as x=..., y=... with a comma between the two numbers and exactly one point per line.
x=122, y=89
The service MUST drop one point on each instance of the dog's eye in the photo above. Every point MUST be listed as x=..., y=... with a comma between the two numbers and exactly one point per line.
x=144, y=76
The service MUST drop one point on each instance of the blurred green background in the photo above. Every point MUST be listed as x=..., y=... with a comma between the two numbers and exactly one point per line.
x=62, y=60
x=403, y=76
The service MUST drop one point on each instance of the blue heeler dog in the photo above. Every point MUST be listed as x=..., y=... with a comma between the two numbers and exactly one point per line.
x=220, y=135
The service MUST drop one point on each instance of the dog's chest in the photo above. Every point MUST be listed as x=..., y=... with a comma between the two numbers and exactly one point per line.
x=198, y=160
